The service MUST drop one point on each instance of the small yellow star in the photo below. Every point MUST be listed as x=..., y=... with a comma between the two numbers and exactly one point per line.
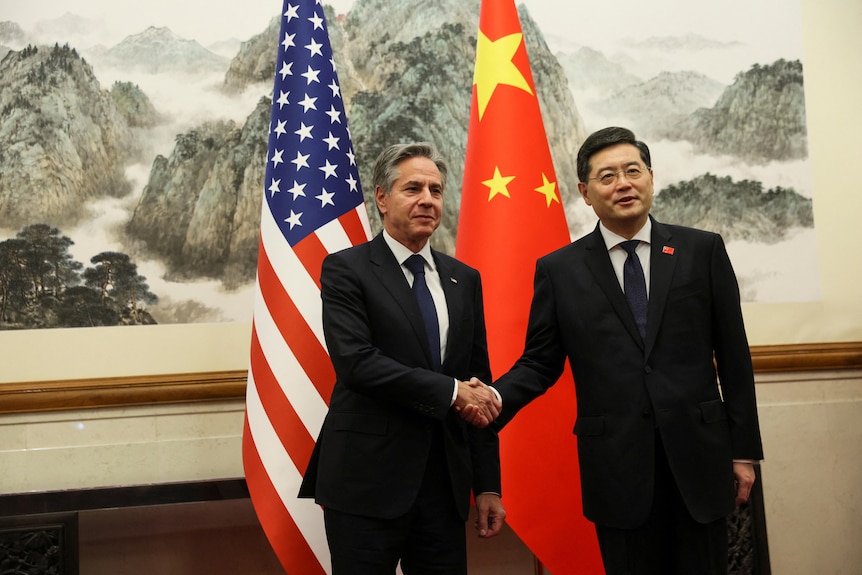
x=549, y=190
x=498, y=184
x=494, y=66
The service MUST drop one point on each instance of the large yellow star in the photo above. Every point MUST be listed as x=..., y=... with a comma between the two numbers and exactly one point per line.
x=494, y=66
x=497, y=184
x=549, y=189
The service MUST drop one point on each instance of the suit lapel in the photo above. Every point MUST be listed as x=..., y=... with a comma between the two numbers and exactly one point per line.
x=662, y=264
x=391, y=277
x=599, y=263
x=454, y=302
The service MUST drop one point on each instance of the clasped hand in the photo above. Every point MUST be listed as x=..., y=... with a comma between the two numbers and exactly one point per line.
x=476, y=403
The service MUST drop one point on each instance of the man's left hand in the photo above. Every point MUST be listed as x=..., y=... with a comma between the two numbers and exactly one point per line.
x=744, y=478
x=491, y=514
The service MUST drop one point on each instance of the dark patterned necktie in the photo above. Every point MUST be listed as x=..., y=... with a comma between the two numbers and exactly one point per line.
x=416, y=264
x=634, y=285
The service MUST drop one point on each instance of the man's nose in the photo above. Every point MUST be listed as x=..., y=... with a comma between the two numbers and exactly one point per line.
x=426, y=196
x=623, y=181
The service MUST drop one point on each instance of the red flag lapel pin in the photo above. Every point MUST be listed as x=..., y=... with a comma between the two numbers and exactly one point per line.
x=667, y=250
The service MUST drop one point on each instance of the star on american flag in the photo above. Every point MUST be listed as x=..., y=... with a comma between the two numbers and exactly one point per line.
x=309, y=143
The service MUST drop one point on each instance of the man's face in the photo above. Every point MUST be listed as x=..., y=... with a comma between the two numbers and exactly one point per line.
x=623, y=205
x=412, y=209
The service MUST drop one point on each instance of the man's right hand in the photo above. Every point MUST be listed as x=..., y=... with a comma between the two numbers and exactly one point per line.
x=476, y=403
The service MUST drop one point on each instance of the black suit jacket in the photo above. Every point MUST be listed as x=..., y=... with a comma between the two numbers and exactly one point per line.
x=628, y=386
x=388, y=402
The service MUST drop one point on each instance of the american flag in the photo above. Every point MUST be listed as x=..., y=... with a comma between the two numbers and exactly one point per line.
x=313, y=206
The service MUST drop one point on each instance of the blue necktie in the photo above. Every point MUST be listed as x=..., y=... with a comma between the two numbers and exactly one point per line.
x=416, y=264
x=634, y=285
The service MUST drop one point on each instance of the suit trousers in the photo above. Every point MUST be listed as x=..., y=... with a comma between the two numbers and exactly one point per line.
x=671, y=542
x=429, y=540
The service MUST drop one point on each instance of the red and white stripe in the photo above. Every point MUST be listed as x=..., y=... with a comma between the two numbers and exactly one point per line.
x=289, y=384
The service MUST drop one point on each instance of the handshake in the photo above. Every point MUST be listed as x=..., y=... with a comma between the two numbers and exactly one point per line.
x=477, y=403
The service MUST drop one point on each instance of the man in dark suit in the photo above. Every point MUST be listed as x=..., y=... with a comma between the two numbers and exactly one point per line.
x=667, y=422
x=395, y=463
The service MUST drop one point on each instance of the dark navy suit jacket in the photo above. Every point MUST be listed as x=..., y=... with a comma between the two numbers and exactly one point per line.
x=388, y=402
x=628, y=387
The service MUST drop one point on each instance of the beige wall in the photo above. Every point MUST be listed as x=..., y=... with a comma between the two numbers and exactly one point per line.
x=812, y=423
x=812, y=433
x=812, y=474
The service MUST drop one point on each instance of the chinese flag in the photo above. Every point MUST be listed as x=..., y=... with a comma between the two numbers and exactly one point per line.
x=511, y=215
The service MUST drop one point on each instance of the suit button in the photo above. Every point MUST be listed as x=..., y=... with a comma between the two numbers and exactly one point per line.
x=646, y=412
x=648, y=369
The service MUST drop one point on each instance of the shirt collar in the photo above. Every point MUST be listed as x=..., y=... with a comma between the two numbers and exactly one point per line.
x=612, y=240
x=401, y=252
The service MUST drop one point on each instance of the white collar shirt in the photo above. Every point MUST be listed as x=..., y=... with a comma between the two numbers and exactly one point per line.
x=432, y=278
x=618, y=254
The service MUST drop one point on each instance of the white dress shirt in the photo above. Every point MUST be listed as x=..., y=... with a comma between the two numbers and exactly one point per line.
x=618, y=253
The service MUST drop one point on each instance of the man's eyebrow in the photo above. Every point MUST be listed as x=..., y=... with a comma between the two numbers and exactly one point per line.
x=422, y=183
x=625, y=165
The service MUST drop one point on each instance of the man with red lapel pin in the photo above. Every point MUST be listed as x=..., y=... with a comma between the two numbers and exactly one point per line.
x=648, y=315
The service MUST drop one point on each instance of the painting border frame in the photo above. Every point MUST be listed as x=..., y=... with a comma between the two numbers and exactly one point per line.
x=229, y=385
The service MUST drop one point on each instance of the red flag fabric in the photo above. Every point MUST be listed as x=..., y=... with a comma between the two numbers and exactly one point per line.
x=511, y=214
x=312, y=206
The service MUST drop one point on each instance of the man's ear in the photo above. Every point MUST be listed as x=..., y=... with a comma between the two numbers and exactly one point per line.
x=582, y=187
x=380, y=199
